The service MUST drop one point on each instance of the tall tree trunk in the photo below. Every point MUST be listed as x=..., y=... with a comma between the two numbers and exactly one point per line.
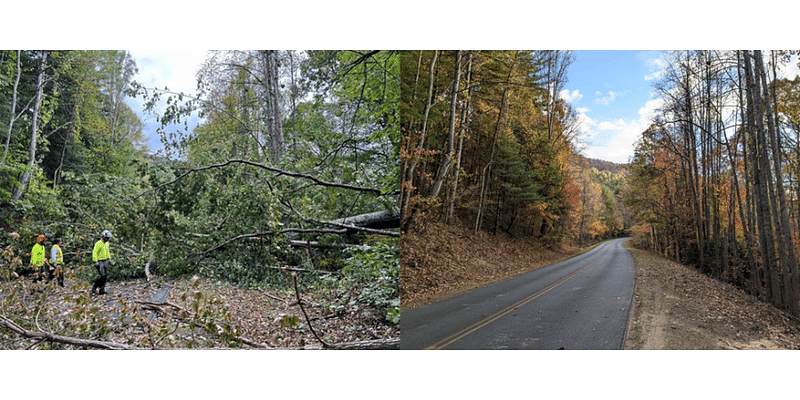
x=786, y=244
x=408, y=216
x=557, y=63
x=461, y=136
x=13, y=115
x=273, y=112
x=26, y=176
x=690, y=139
x=760, y=183
x=449, y=152
x=487, y=170
x=407, y=158
x=747, y=210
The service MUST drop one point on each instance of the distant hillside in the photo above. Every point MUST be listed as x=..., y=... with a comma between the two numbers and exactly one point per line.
x=603, y=165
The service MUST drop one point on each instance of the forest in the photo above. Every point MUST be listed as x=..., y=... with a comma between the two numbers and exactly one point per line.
x=714, y=180
x=272, y=224
x=490, y=150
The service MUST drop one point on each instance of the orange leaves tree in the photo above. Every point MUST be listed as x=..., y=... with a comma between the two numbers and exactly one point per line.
x=479, y=148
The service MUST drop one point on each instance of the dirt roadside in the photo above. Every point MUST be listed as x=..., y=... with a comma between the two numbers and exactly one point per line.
x=439, y=261
x=676, y=307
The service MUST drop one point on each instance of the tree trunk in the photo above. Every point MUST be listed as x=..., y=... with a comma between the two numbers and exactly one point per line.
x=487, y=170
x=12, y=116
x=462, y=133
x=785, y=244
x=449, y=152
x=408, y=216
x=761, y=167
x=375, y=220
x=273, y=109
x=26, y=176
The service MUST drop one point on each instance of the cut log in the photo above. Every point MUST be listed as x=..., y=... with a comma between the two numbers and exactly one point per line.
x=375, y=220
x=380, y=344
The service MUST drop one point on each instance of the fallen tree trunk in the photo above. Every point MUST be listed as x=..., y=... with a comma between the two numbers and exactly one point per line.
x=317, y=245
x=379, y=344
x=363, y=229
x=375, y=220
x=45, y=336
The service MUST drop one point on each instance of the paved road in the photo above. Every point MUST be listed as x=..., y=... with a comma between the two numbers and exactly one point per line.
x=579, y=303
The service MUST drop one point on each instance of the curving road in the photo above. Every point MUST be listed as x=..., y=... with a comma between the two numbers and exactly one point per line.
x=579, y=303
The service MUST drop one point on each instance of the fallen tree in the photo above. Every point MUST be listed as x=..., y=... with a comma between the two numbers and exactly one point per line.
x=49, y=337
x=379, y=344
x=376, y=220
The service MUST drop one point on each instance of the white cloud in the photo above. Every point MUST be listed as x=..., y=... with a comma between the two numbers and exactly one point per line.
x=790, y=70
x=655, y=64
x=173, y=69
x=569, y=97
x=586, y=125
x=606, y=100
x=159, y=69
x=608, y=125
x=614, y=140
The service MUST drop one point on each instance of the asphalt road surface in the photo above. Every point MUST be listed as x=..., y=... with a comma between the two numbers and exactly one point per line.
x=579, y=303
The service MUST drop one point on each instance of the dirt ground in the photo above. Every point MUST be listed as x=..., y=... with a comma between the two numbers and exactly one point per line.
x=676, y=307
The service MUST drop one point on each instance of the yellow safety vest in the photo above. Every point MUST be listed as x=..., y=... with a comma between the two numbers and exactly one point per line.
x=37, y=255
x=100, y=251
x=59, y=255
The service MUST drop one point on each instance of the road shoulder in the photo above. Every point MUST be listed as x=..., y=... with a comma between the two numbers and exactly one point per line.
x=676, y=307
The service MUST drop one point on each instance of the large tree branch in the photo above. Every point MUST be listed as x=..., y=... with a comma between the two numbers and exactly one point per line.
x=362, y=229
x=352, y=223
x=266, y=233
x=45, y=336
x=376, y=192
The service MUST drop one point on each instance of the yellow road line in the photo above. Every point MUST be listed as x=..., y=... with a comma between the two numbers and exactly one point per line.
x=480, y=324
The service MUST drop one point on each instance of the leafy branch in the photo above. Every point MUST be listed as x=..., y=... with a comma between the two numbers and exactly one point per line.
x=376, y=192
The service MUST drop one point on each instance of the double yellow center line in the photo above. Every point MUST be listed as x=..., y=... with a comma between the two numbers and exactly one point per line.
x=480, y=324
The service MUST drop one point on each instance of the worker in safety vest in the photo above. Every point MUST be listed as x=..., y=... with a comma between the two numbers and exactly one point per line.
x=39, y=262
x=57, y=263
x=102, y=259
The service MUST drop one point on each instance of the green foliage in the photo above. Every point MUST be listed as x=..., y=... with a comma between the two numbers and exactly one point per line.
x=377, y=269
x=232, y=223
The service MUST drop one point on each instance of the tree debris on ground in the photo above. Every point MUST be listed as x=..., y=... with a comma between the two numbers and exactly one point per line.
x=195, y=313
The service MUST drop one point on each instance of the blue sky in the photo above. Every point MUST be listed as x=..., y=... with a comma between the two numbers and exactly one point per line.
x=174, y=69
x=612, y=92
